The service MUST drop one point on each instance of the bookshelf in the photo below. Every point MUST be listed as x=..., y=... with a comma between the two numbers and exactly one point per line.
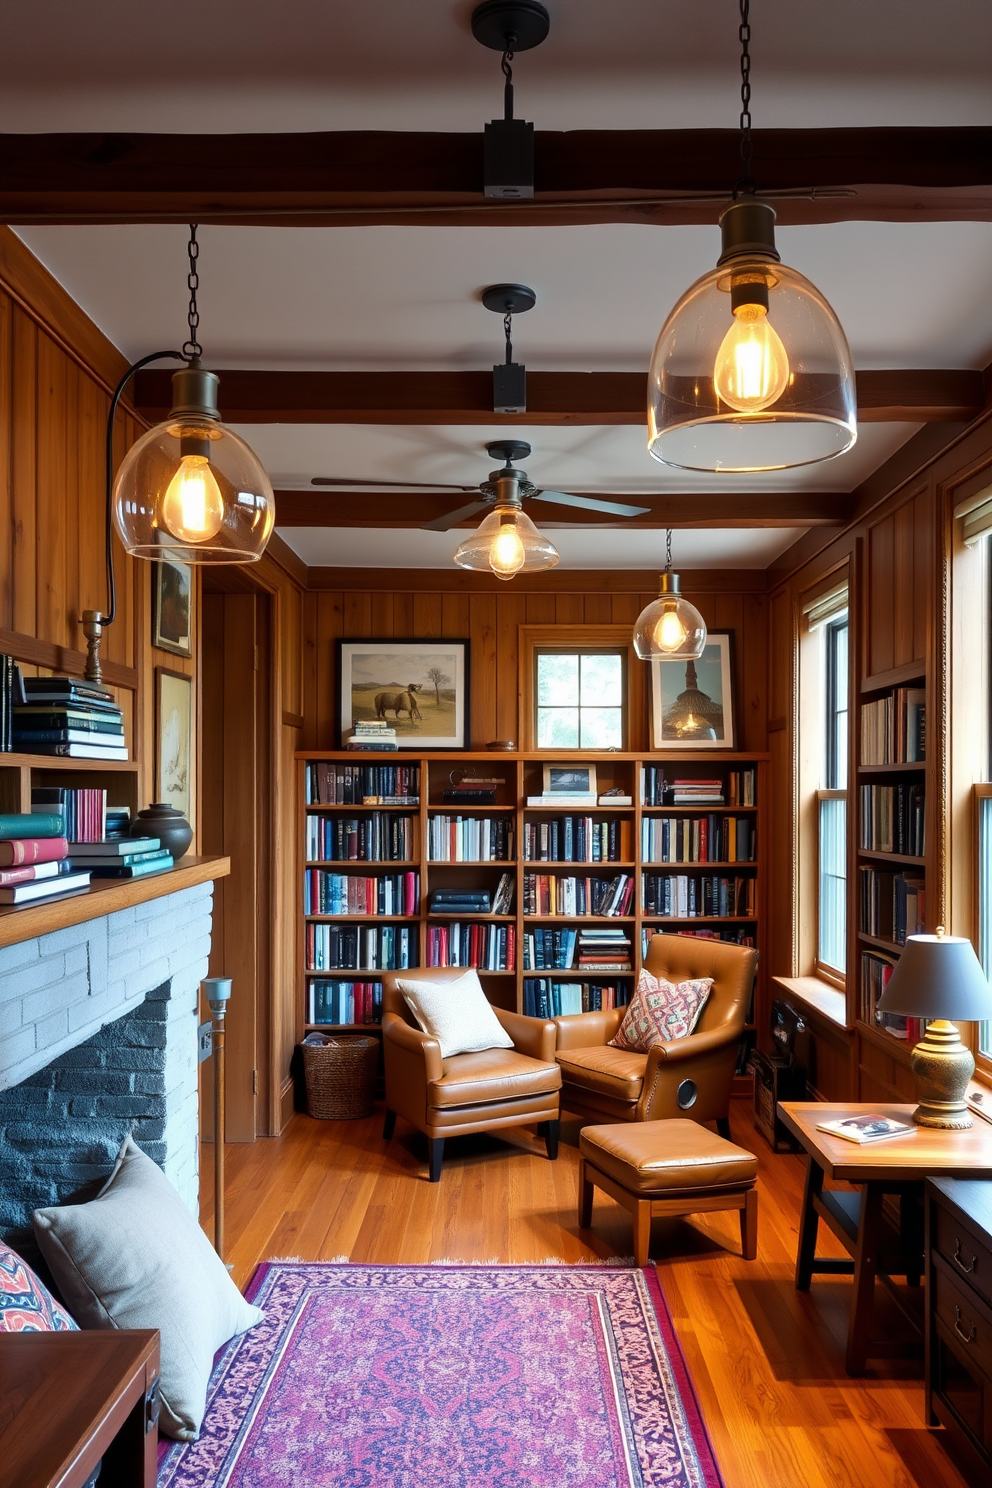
x=661, y=839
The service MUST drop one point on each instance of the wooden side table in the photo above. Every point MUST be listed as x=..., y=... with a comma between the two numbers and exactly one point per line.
x=69, y=1399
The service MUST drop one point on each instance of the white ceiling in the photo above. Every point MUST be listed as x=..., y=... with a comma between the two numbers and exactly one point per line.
x=908, y=295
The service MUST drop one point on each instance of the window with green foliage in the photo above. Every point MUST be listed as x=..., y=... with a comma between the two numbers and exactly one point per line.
x=580, y=698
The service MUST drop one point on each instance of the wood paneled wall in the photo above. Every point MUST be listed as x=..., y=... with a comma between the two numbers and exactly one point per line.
x=491, y=621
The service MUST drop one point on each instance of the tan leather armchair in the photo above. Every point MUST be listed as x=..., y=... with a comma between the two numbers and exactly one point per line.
x=684, y=1077
x=466, y=1092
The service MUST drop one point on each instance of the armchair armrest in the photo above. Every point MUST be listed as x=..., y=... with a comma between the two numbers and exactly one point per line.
x=532, y=1036
x=586, y=1030
x=691, y=1047
x=414, y=1041
x=705, y=1061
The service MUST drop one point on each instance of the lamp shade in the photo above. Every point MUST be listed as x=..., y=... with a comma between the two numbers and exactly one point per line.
x=938, y=976
x=670, y=628
x=506, y=543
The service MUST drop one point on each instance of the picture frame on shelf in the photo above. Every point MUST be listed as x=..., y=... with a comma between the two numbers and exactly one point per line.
x=174, y=740
x=693, y=703
x=172, y=606
x=418, y=688
x=569, y=780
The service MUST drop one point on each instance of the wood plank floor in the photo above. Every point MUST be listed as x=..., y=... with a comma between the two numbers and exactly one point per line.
x=767, y=1361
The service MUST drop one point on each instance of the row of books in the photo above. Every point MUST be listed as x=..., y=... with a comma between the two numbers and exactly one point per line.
x=697, y=839
x=559, y=894
x=470, y=839
x=344, y=1002
x=893, y=818
x=86, y=817
x=875, y=973
x=487, y=947
x=380, y=837
x=68, y=718
x=893, y=905
x=894, y=728
x=360, y=947
x=372, y=733
x=346, y=893
x=11, y=693
x=331, y=784
x=549, y=950
x=475, y=901
x=548, y=999
x=709, y=896
x=576, y=839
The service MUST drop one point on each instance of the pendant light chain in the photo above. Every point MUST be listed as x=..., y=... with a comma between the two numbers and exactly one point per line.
x=507, y=323
x=747, y=182
x=506, y=67
x=668, y=551
x=192, y=348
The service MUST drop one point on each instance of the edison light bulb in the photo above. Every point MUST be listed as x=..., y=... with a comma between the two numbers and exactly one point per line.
x=193, y=507
x=670, y=632
x=506, y=556
x=751, y=371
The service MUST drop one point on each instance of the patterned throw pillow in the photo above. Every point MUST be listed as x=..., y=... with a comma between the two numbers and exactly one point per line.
x=26, y=1304
x=660, y=1011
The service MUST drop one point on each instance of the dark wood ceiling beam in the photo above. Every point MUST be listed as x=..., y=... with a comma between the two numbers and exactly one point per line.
x=369, y=509
x=664, y=176
x=262, y=397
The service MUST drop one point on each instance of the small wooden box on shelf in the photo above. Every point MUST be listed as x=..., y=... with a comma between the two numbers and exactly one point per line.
x=698, y=863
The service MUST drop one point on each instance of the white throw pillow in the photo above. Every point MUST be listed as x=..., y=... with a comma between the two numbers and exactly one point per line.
x=456, y=1013
x=136, y=1258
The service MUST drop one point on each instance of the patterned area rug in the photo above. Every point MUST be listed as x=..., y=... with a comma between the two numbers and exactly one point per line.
x=450, y=1377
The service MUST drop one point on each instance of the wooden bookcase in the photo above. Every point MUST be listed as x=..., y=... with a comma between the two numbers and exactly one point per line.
x=522, y=775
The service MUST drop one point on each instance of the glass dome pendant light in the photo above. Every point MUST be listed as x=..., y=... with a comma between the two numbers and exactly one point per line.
x=507, y=542
x=752, y=370
x=670, y=628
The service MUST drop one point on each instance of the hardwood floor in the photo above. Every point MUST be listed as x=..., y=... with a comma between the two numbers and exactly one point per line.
x=767, y=1361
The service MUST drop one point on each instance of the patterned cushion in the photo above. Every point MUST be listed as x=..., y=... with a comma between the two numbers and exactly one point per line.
x=660, y=1011
x=26, y=1304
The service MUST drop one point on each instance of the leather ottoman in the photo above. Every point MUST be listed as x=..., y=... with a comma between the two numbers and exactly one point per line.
x=655, y=1168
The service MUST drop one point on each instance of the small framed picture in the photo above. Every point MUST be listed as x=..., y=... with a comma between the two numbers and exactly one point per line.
x=692, y=702
x=569, y=780
x=172, y=606
x=174, y=738
x=418, y=690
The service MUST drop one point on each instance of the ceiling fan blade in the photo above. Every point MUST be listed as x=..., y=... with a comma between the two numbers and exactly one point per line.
x=387, y=485
x=452, y=518
x=591, y=503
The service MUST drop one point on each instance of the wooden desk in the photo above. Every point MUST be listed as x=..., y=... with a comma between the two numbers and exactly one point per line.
x=68, y=1399
x=898, y=1167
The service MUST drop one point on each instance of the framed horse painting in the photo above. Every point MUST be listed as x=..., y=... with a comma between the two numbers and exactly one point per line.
x=413, y=694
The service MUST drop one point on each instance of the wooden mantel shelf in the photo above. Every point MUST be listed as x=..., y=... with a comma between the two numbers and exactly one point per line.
x=103, y=897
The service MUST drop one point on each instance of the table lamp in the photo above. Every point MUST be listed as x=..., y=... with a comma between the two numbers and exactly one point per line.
x=937, y=978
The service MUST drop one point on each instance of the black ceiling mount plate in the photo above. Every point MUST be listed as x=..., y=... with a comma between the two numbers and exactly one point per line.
x=509, y=299
x=510, y=25
x=508, y=450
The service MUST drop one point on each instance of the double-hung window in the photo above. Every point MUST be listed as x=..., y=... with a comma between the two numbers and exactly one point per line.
x=825, y=686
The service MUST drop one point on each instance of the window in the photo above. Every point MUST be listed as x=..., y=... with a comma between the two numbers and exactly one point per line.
x=984, y=804
x=831, y=952
x=579, y=698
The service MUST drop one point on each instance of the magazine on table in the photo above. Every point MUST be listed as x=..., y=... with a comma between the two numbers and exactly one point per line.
x=867, y=1128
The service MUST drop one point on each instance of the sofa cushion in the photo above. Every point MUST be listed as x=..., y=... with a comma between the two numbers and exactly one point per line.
x=26, y=1304
x=667, y=1156
x=660, y=1011
x=608, y=1071
x=492, y=1075
x=136, y=1258
x=455, y=1012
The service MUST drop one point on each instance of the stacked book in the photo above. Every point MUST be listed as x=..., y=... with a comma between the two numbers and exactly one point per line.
x=563, y=798
x=372, y=733
x=604, y=950
x=697, y=792
x=11, y=693
x=473, y=790
x=68, y=718
x=121, y=857
x=34, y=859
x=460, y=901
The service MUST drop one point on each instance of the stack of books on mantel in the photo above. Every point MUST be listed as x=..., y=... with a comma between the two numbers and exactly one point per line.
x=34, y=859
x=372, y=733
x=697, y=792
x=68, y=718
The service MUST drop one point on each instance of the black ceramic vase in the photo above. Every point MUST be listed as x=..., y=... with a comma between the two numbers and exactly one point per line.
x=167, y=824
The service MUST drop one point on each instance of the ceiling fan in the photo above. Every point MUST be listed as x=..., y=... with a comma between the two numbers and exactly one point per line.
x=506, y=487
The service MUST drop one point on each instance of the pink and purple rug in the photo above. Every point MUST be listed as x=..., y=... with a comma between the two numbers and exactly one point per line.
x=450, y=1377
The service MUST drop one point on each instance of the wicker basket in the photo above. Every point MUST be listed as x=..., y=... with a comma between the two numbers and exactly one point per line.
x=340, y=1077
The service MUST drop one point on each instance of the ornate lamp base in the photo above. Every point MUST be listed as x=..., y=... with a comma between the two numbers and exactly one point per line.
x=943, y=1067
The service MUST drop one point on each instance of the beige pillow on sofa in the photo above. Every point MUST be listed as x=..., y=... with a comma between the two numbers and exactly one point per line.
x=136, y=1258
x=456, y=1013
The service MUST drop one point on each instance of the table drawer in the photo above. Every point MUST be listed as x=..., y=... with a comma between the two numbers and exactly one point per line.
x=968, y=1254
x=965, y=1316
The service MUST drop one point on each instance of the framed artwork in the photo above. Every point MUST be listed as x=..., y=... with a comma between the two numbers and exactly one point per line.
x=692, y=702
x=569, y=780
x=174, y=740
x=172, y=606
x=418, y=688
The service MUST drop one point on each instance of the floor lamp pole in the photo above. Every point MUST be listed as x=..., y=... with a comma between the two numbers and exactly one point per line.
x=217, y=991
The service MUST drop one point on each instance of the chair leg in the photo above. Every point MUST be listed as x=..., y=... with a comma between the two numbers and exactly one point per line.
x=388, y=1125
x=435, y=1150
x=723, y=1127
x=551, y=1138
x=642, y=1231
x=749, y=1226
x=585, y=1195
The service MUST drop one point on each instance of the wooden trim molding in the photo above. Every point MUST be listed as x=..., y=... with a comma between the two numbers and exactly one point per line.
x=34, y=652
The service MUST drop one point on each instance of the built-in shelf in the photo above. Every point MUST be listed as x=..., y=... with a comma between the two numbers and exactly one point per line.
x=890, y=857
x=893, y=948
x=898, y=768
x=829, y=1002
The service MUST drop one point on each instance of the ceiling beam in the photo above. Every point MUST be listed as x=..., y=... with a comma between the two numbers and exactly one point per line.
x=261, y=397
x=657, y=176
x=365, y=509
